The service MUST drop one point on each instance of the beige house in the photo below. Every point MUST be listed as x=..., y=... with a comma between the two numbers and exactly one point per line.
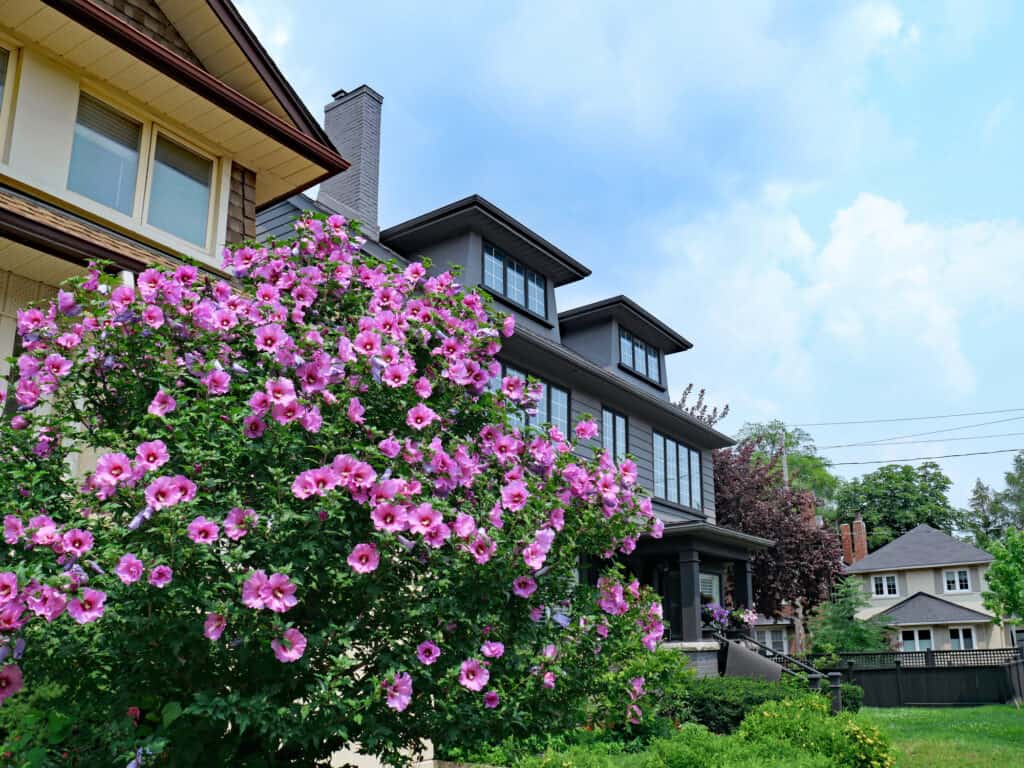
x=141, y=132
x=927, y=585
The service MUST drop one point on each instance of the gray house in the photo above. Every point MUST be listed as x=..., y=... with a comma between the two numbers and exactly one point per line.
x=605, y=359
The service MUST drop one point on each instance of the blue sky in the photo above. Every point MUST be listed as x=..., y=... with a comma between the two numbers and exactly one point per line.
x=825, y=198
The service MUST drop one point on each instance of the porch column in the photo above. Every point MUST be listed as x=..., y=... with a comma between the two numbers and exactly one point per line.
x=689, y=592
x=743, y=583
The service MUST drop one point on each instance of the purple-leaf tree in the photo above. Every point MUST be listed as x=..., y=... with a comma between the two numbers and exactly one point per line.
x=253, y=521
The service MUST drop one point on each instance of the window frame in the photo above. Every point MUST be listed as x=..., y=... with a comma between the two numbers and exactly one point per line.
x=648, y=349
x=960, y=629
x=764, y=636
x=137, y=221
x=716, y=580
x=956, y=578
x=503, y=293
x=10, y=80
x=616, y=415
x=916, y=631
x=694, y=505
x=507, y=370
x=883, y=577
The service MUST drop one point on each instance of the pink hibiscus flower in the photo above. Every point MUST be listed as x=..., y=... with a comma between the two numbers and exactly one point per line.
x=364, y=558
x=420, y=417
x=252, y=590
x=162, y=404
x=129, y=568
x=278, y=593
x=88, y=607
x=214, y=626
x=290, y=647
x=398, y=692
x=203, y=531
x=523, y=586
x=160, y=576
x=427, y=652
x=10, y=681
x=473, y=675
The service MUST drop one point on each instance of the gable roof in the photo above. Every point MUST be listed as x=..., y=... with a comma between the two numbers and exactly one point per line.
x=922, y=608
x=921, y=547
x=509, y=234
x=631, y=316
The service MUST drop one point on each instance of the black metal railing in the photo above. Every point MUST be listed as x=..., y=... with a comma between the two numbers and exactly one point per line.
x=788, y=663
x=885, y=659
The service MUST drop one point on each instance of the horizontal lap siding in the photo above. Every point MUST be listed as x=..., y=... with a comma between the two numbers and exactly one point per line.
x=580, y=404
x=641, y=445
x=277, y=221
x=707, y=465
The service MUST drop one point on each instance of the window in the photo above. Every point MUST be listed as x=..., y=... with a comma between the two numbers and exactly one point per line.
x=639, y=357
x=613, y=433
x=179, y=199
x=515, y=282
x=957, y=581
x=105, y=155
x=711, y=587
x=885, y=586
x=5, y=58
x=961, y=638
x=552, y=408
x=677, y=473
x=916, y=640
x=773, y=638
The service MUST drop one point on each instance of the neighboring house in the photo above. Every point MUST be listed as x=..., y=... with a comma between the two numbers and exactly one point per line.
x=606, y=359
x=927, y=585
x=142, y=132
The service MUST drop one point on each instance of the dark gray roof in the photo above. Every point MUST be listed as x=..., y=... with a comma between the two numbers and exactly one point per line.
x=922, y=608
x=921, y=547
x=631, y=315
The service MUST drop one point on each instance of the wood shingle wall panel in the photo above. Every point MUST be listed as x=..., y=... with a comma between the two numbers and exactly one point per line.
x=241, y=205
x=146, y=17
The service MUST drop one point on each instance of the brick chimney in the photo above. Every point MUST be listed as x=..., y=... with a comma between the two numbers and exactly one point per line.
x=860, y=539
x=847, y=539
x=352, y=121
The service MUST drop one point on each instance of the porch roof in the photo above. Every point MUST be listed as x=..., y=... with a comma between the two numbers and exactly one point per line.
x=717, y=534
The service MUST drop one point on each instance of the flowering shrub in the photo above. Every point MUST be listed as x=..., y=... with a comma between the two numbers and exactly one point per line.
x=310, y=523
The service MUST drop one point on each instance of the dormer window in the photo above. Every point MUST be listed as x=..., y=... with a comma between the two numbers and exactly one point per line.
x=639, y=357
x=511, y=280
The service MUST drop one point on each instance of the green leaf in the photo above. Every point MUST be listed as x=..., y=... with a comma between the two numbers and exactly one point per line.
x=171, y=712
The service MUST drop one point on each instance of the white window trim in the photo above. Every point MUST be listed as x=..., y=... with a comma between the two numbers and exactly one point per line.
x=767, y=633
x=9, y=87
x=716, y=579
x=960, y=629
x=136, y=222
x=885, y=595
x=917, y=637
x=956, y=577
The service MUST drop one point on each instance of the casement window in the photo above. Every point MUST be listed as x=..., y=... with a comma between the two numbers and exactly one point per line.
x=885, y=585
x=958, y=580
x=916, y=640
x=639, y=356
x=711, y=587
x=552, y=408
x=613, y=433
x=774, y=638
x=135, y=168
x=677, y=472
x=510, y=279
x=961, y=638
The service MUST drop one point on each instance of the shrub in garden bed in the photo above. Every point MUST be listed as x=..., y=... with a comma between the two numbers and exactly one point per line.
x=721, y=703
x=312, y=522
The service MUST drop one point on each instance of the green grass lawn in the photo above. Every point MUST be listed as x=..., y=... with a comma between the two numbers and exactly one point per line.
x=958, y=737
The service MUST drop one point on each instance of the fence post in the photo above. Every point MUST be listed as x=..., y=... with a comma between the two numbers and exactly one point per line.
x=929, y=657
x=814, y=682
x=899, y=680
x=849, y=670
x=835, y=682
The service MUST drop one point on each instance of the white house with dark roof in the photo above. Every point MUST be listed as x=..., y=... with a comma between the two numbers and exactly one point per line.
x=927, y=585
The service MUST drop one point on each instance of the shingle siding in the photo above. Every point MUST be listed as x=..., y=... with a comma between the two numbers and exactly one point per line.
x=241, y=205
x=146, y=17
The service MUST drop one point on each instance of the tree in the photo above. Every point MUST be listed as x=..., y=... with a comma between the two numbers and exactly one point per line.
x=1005, y=577
x=807, y=470
x=989, y=515
x=895, y=498
x=699, y=409
x=750, y=497
x=311, y=522
x=835, y=629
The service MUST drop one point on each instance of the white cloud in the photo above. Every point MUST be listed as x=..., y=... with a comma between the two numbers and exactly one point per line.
x=765, y=303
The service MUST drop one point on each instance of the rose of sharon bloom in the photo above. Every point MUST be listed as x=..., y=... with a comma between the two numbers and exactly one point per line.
x=160, y=576
x=364, y=558
x=151, y=455
x=214, y=626
x=586, y=429
x=252, y=590
x=290, y=646
x=399, y=691
x=239, y=522
x=8, y=587
x=10, y=681
x=420, y=417
x=278, y=593
x=129, y=568
x=427, y=652
x=491, y=699
x=473, y=675
x=548, y=681
x=162, y=404
x=523, y=586
x=14, y=529
x=88, y=607
x=203, y=531
x=492, y=649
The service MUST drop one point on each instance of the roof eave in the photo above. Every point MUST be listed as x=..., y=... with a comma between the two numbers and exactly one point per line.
x=606, y=307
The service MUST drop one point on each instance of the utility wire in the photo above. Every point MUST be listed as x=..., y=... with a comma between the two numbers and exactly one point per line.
x=889, y=440
x=937, y=440
x=906, y=418
x=926, y=458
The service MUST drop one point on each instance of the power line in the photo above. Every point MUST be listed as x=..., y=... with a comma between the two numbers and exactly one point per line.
x=906, y=418
x=888, y=440
x=934, y=440
x=926, y=458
